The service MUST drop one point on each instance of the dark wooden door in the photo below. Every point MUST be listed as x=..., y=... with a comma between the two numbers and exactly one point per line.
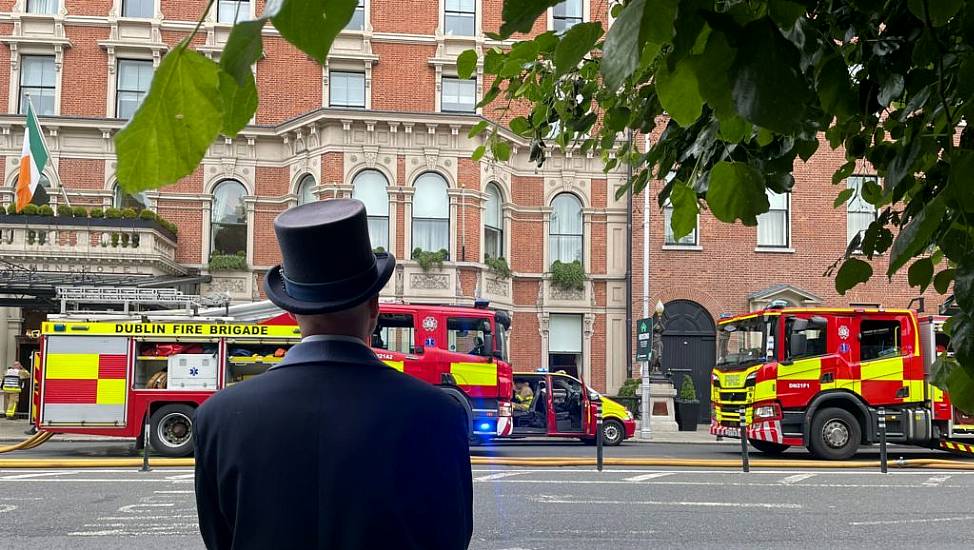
x=689, y=343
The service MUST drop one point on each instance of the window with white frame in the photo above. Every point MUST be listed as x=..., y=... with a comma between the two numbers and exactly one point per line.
x=859, y=213
x=231, y=11
x=346, y=89
x=458, y=96
x=306, y=189
x=566, y=15
x=370, y=187
x=669, y=239
x=138, y=8
x=774, y=225
x=121, y=199
x=38, y=79
x=431, y=213
x=493, y=223
x=459, y=17
x=565, y=234
x=357, y=22
x=133, y=80
x=42, y=7
x=228, y=219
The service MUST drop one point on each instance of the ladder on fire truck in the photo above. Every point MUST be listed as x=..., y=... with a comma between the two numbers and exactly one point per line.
x=78, y=301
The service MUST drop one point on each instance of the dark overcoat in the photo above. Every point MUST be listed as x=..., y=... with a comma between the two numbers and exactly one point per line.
x=333, y=449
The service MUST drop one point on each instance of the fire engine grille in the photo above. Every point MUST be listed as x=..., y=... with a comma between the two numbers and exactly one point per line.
x=729, y=416
x=733, y=396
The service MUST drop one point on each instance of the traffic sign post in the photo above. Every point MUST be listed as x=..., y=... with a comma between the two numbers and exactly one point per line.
x=644, y=353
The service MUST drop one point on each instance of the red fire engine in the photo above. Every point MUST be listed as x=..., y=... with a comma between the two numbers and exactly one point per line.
x=819, y=377
x=102, y=377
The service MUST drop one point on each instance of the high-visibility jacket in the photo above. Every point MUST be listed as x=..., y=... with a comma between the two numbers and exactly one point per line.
x=12, y=380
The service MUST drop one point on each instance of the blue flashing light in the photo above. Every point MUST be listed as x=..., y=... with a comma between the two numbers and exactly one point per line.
x=484, y=426
x=59, y=327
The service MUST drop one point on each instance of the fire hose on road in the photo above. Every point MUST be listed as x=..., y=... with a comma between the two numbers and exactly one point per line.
x=29, y=443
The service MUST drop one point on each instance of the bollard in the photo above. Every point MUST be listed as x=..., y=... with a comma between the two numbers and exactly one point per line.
x=598, y=434
x=882, y=440
x=744, y=460
x=145, y=443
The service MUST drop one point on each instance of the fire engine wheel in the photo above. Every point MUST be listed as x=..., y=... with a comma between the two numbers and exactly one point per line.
x=835, y=434
x=767, y=447
x=171, y=430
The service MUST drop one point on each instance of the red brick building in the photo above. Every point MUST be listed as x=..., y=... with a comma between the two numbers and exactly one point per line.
x=386, y=120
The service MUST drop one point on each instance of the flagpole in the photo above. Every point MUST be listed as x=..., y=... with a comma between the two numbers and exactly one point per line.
x=63, y=192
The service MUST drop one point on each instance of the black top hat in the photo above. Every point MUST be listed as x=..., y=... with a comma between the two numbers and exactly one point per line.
x=328, y=260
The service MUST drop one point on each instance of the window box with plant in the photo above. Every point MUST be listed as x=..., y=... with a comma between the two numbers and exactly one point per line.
x=114, y=218
x=430, y=260
x=498, y=267
x=568, y=276
x=687, y=406
x=228, y=262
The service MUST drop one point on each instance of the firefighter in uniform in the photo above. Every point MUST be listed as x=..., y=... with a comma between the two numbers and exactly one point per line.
x=14, y=381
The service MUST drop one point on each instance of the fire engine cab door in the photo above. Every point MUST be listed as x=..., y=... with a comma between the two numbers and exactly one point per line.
x=85, y=381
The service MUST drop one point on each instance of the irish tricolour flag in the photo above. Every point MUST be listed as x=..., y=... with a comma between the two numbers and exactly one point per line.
x=33, y=158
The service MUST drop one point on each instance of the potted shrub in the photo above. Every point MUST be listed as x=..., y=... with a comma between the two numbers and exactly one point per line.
x=96, y=213
x=79, y=212
x=568, y=276
x=687, y=406
x=30, y=210
x=64, y=211
x=227, y=262
x=45, y=210
x=428, y=260
x=498, y=266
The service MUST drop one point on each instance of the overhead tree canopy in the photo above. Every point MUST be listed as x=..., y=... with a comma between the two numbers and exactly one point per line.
x=738, y=91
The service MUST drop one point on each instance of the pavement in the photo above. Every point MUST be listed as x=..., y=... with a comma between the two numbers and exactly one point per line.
x=543, y=509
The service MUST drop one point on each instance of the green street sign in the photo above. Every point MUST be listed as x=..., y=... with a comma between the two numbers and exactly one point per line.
x=644, y=339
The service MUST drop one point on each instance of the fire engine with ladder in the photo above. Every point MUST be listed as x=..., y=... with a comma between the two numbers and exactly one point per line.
x=111, y=374
x=821, y=377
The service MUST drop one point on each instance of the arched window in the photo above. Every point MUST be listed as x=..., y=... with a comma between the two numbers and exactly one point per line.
x=565, y=229
x=369, y=186
x=431, y=213
x=228, y=219
x=41, y=193
x=121, y=199
x=306, y=189
x=493, y=223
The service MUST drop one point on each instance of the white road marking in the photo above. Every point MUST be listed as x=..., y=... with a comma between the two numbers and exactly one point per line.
x=791, y=480
x=935, y=481
x=7, y=508
x=715, y=483
x=39, y=474
x=568, y=499
x=131, y=508
x=498, y=475
x=181, y=476
x=141, y=518
x=644, y=477
x=907, y=521
x=174, y=492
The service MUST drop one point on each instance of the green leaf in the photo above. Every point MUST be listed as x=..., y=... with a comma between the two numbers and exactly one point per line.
x=916, y=235
x=179, y=119
x=679, y=93
x=941, y=283
x=940, y=10
x=834, y=89
x=493, y=61
x=737, y=191
x=962, y=337
x=624, y=43
x=768, y=87
x=853, y=272
x=546, y=41
x=466, y=63
x=478, y=153
x=960, y=386
x=785, y=12
x=501, y=150
x=685, y=209
x=520, y=15
x=244, y=47
x=239, y=103
x=964, y=283
x=312, y=25
x=843, y=172
x=872, y=192
x=920, y=274
x=941, y=369
x=477, y=129
x=520, y=125
x=843, y=197
x=574, y=45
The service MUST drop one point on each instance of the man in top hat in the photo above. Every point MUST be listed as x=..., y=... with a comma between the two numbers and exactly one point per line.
x=331, y=448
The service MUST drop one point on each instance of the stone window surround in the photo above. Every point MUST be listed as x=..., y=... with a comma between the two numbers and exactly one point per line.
x=478, y=19
x=587, y=212
x=505, y=218
x=586, y=14
x=250, y=201
x=340, y=64
x=588, y=329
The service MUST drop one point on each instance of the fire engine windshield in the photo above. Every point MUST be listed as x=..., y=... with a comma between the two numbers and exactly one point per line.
x=743, y=343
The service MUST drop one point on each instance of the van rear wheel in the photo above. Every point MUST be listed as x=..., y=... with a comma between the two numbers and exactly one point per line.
x=171, y=430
